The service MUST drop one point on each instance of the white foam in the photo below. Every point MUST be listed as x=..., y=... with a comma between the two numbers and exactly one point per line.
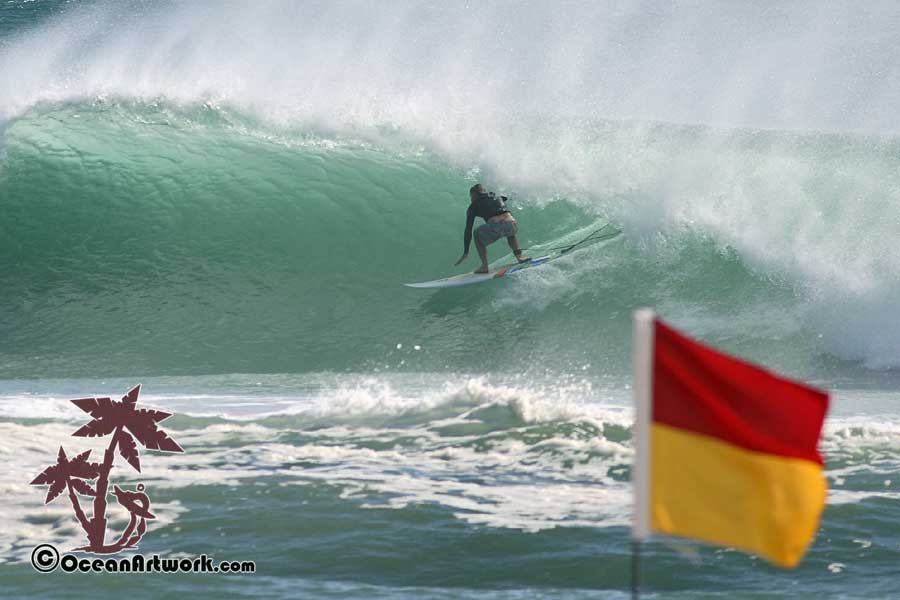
x=507, y=477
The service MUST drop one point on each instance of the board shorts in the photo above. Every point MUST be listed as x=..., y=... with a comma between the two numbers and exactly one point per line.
x=489, y=233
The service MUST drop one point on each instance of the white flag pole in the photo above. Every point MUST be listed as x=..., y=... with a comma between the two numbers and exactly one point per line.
x=642, y=389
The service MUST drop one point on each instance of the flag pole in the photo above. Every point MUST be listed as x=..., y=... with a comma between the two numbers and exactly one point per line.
x=642, y=389
x=635, y=569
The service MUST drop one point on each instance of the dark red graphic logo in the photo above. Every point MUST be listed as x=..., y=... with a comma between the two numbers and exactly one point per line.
x=79, y=476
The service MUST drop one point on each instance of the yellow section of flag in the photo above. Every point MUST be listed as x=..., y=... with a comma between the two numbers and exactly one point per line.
x=713, y=491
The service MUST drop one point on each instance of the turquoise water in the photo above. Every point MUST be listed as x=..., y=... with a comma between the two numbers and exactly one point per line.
x=228, y=219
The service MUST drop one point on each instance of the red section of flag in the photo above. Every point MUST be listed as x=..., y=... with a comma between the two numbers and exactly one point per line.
x=698, y=389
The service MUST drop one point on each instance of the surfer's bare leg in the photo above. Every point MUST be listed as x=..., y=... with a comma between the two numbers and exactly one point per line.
x=482, y=254
x=514, y=244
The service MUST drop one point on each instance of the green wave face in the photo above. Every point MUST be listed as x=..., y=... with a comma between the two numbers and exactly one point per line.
x=141, y=238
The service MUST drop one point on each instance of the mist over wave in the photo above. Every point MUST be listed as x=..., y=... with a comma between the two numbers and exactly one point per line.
x=441, y=68
x=245, y=190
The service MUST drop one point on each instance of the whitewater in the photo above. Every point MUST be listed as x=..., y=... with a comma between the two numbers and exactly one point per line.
x=222, y=202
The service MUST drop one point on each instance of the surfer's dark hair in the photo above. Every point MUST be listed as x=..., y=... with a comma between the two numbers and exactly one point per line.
x=476, y=189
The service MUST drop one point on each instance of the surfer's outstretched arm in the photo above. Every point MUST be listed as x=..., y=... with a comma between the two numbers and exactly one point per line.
x=467, y=235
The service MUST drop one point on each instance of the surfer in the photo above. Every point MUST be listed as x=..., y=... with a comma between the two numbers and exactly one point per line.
x=499, y=223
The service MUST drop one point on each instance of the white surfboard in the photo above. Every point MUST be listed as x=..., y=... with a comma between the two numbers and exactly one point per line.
x=470, y=278
x=603, y=233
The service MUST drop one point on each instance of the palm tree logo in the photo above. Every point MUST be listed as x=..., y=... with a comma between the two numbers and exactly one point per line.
x=129, y=426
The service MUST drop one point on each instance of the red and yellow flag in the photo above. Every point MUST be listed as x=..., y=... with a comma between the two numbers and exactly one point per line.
x=726, y=452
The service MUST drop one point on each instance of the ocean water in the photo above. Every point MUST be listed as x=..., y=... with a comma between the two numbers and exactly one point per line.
x=221, y=200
